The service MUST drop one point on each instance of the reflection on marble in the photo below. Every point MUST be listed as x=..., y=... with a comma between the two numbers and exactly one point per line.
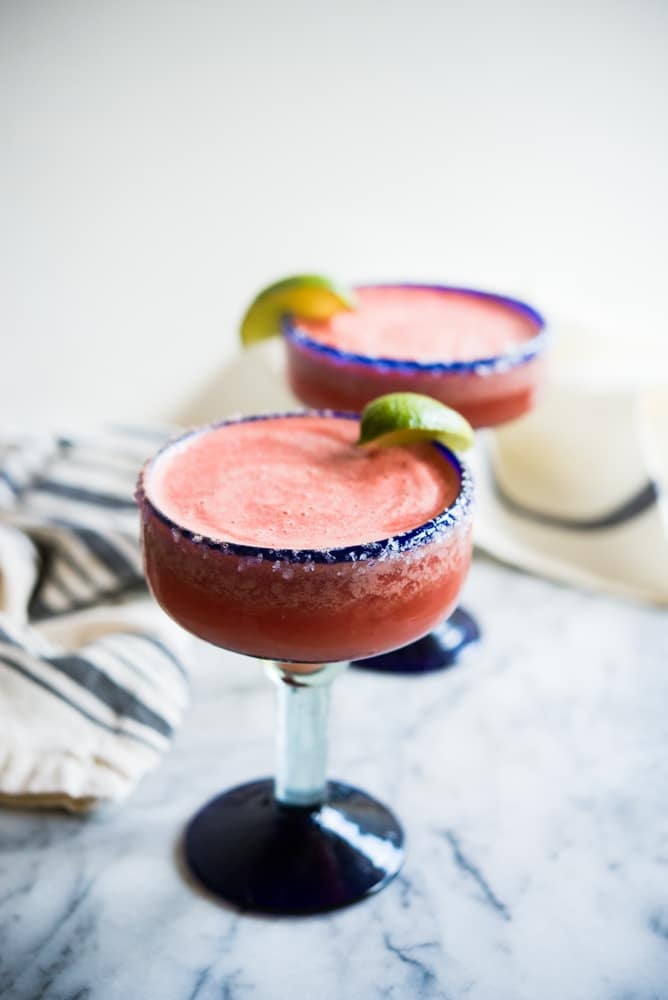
x=532, y=785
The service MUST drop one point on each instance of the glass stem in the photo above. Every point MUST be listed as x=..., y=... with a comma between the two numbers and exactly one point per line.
x=303, y=708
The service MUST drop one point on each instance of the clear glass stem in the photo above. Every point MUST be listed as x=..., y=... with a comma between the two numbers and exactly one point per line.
x=301, y=744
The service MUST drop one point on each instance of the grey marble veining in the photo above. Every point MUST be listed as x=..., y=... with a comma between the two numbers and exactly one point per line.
x=532, y=782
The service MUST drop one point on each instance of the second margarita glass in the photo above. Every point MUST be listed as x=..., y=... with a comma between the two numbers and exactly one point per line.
x=480, y=353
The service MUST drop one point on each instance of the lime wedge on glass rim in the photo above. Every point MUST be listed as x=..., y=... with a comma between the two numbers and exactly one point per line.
x=406, y=417
x=308, y=296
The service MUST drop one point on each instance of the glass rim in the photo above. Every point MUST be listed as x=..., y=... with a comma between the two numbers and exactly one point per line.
x=525, y=352
x=443, y=523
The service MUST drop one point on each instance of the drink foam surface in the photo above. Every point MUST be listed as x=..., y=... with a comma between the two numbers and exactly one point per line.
x=424, y=324
x=298, y=483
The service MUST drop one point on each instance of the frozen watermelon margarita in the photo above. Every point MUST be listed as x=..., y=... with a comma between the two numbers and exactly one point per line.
x=281, y=538
x=480, y=353
x=278, y=537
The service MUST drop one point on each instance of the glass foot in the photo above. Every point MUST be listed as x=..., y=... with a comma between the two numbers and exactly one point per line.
x=258, y=854
x=436, y=651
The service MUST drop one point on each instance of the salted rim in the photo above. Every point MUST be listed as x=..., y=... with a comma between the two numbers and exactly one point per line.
x=526, y=351
x=445, y=521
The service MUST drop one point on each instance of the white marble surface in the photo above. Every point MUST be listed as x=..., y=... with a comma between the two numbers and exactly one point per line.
x=532, y=784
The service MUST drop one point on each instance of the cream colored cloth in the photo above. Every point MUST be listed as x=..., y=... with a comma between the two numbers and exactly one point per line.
x=576, y=490
x=92, y=686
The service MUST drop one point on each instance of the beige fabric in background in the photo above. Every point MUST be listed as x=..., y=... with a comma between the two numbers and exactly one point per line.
x=598, y=438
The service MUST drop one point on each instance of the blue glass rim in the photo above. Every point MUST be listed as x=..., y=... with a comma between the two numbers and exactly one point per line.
x=525, y=351
x=445, y=521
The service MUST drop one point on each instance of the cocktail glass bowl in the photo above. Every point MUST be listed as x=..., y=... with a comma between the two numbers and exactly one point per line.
x=487, y=390
x=299, y=843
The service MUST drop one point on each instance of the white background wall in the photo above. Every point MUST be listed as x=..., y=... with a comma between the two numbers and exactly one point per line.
x=161, y=160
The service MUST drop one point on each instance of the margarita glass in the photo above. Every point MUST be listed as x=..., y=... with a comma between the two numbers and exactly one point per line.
x=479, y=353
x=300, y=843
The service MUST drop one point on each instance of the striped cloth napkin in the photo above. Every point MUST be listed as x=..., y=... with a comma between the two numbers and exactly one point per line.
x=92, y=686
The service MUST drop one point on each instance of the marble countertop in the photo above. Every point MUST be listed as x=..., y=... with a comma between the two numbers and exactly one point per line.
x=531, y=781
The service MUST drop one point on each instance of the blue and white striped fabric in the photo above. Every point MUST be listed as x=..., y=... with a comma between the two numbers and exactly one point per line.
x=92, y=687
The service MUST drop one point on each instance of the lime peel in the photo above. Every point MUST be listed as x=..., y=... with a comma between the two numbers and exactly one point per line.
x=307, y=296
x=400, y=418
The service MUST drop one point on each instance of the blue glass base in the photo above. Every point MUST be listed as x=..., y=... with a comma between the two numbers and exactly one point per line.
x=257, y=854
x=436, y=651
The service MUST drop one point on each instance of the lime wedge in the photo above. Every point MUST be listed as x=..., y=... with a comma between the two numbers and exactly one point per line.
x=308, y=296
x=406, y=417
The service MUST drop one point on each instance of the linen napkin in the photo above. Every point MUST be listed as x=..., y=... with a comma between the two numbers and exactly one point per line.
x=576, y=490
x=92, y=685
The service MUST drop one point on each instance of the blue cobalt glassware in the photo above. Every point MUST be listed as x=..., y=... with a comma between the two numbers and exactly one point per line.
x=488, y=391
x=299, y=843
